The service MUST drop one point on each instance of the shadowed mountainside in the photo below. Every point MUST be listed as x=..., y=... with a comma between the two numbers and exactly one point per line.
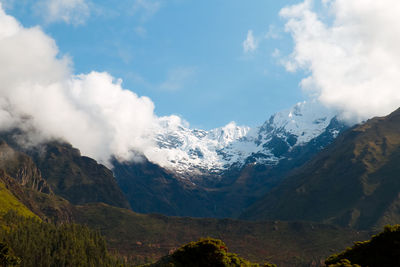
x=77, y=178
x=150, y=188
x=354, y=182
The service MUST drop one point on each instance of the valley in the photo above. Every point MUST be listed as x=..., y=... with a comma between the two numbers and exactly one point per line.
x=154, y=133
x=146, y=211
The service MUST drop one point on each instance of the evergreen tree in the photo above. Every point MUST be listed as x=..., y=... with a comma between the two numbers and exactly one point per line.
x=37, y=243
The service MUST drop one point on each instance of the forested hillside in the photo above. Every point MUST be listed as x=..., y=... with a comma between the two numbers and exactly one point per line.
x=32, y=242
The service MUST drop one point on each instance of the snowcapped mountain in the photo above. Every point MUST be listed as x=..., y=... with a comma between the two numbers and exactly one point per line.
x=193, y=151
x=219, y=173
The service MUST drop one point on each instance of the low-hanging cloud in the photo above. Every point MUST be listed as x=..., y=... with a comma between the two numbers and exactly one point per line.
x=40, y=95
x=350, y=48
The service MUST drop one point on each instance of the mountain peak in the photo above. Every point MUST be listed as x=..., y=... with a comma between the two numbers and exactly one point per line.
x=185, y=150
x=305, y=120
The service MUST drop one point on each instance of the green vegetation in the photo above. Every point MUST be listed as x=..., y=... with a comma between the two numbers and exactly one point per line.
x=7, y=257
x=38, y=243
x=145, y=238
x=206, y=252
x=9, y=202
x=383, y=250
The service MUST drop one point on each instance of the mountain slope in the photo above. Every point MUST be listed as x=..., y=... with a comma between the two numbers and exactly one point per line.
x=21, y=167
x=354, y=182
x=148, y=237
x=238, y=165
x=22, y=180
x=49, y=178
x=152, y=189
x=9, y=202
x=77, y=178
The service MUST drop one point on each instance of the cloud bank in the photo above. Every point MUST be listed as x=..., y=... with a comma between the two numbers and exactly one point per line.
x=40, y=95
x=350, y=48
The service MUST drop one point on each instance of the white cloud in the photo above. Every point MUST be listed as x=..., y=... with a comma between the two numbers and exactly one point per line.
x=178, y=78
x=40, y=95
x=352, y=54
x=69, y=11
x=250, y=44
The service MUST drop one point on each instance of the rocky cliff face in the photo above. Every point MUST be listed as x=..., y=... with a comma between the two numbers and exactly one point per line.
x=21, y=167
x=23, y=179
x=77, y=178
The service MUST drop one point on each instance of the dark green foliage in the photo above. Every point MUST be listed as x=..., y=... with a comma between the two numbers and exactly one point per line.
x=7, y=258
x=42, y=244
x=207, y=252
x=383, y=250
x=146, y=238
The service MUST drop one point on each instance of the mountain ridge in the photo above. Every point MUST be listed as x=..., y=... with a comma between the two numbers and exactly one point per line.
x=283, y=143
x=353, y=182
x=193, y=152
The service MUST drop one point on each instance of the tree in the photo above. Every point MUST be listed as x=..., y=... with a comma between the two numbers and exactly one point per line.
x=383, y=250
x=7, y=258
x=203, y=253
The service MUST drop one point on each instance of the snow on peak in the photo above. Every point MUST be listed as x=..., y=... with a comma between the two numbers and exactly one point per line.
x=185, y=150
x=305, y=120
x=228, y=134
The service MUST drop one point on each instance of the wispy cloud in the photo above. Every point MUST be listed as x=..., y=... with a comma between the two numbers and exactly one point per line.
x=146, y=8
x=178, y=78
x=7, y=4
x=140, y=31
x=273, y=32
x=276, y=53
x=73, y=12
x=250, y=44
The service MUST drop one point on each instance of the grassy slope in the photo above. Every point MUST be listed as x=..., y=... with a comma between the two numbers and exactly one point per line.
x=9, y=202
x=148, y=237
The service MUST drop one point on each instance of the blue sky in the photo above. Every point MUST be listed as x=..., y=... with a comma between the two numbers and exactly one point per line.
x=187, y=56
